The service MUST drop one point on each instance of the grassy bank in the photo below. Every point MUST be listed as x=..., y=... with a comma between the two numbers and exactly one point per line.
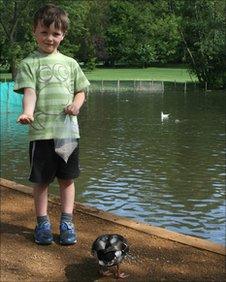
x=5, y=77
x=153, y=73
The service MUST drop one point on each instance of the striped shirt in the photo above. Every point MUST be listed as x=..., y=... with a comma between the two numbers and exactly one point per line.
x=55, y=79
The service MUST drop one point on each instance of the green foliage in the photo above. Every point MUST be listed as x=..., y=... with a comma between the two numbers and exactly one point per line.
x=16, y=40
x=167, y=39
x=138, y=34
x=203, y=31
x=91, y=64
x=74, y=41
x=130, y=33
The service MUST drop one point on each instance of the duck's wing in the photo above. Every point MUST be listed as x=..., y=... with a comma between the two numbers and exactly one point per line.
x=119, y=243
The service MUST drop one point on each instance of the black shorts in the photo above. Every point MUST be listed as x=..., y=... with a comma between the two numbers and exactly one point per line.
x=46, y=164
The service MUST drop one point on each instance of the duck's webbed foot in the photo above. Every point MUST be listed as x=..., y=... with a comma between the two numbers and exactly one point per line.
x=105, y=272
x=119, y=275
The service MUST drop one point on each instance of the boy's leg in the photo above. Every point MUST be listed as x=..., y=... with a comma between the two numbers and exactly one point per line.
x=43, y=161
x=43, y=232
x=40, y=193
x=65, y=174
x=67, y=194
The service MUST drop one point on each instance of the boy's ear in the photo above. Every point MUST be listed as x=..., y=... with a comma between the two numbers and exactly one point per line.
x=64, y=34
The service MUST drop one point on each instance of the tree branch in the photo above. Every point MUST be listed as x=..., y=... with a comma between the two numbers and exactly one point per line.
x=4, y=27
x=14, y=22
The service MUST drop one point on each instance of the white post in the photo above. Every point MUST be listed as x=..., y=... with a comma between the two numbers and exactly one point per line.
x=163, y=86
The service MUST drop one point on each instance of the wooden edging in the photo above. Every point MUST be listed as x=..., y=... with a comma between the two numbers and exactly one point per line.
x=138, y=226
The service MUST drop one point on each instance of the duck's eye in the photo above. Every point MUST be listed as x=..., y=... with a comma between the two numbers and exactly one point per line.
x=124, y=246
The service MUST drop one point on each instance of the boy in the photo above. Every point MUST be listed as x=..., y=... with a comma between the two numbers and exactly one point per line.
x=51, y=84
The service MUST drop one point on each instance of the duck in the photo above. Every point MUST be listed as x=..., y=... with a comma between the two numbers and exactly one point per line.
x=110, y=250
x=164, y=116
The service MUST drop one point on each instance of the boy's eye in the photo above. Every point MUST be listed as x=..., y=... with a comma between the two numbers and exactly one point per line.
x=43, y=32
x=56, y=34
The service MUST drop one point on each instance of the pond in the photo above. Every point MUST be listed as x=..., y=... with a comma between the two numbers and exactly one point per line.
x=169, y=173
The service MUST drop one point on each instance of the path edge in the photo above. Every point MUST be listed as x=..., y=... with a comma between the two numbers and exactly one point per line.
x=163, y=233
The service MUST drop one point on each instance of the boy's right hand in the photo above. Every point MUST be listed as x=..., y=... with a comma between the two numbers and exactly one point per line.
x=25, y=119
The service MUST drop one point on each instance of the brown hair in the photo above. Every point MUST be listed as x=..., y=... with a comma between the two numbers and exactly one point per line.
x=49, y=14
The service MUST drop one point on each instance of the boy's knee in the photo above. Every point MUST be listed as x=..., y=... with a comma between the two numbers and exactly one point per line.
x=40, y=186
x=64, y=183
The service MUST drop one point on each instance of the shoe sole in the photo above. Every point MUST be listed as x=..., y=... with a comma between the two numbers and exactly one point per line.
x=43, y=243
x=68, y=243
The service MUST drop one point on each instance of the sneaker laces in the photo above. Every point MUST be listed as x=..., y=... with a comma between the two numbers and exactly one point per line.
x=67, y=226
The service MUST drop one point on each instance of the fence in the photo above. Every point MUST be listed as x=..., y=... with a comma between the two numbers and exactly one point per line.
x=141, y=85
x=8, y=97
x=126, y=85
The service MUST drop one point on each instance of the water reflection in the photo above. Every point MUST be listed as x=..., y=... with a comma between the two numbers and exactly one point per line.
x=169, y=174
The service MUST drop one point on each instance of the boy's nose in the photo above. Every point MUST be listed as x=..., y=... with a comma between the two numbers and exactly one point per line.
x=49, y=37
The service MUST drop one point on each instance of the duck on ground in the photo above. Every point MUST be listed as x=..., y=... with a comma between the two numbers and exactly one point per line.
x=110, y=250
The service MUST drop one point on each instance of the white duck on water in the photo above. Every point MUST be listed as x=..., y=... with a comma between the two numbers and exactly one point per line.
x=164, y=116
x=110, y=250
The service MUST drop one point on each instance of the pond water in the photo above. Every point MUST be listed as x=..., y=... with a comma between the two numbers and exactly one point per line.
x=168, y=173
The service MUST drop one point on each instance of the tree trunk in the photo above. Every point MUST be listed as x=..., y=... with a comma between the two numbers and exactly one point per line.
x=13, y=68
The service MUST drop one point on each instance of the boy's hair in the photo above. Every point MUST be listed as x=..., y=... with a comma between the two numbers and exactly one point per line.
x=49, y=14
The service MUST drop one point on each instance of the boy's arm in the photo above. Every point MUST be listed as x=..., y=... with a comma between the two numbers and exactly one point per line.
x=77, y=103
x=29, y=101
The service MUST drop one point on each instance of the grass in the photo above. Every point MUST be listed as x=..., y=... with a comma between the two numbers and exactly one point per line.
x=5, y=76
x=153, y=73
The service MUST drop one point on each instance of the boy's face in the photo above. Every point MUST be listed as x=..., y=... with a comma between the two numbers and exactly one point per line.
x=48, y=38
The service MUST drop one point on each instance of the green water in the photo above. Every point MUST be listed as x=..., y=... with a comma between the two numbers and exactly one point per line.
x=167, y=173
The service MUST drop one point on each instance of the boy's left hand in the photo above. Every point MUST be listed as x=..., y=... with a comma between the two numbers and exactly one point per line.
x=72, y=110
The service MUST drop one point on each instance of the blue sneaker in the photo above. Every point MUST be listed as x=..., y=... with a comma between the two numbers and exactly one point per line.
x=43, y=233
x=67, y=233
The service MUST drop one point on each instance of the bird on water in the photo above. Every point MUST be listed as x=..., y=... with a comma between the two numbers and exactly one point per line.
x=164, y=116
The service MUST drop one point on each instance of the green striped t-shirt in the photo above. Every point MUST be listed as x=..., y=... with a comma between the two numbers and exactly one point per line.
x=55, y=78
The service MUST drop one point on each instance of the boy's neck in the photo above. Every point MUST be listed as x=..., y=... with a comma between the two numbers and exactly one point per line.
x=44, y=53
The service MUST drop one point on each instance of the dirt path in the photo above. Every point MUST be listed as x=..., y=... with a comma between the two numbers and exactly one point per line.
x=150, y=259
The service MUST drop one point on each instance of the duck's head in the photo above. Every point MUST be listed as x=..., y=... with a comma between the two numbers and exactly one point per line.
x=106, y=258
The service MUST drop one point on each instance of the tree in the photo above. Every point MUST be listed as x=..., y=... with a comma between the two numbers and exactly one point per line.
x=203, y=29
x=16, y=22
x=129, y=32
x=75, y=39
x=167, y=39
x=142, y=32
x=15, y=38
